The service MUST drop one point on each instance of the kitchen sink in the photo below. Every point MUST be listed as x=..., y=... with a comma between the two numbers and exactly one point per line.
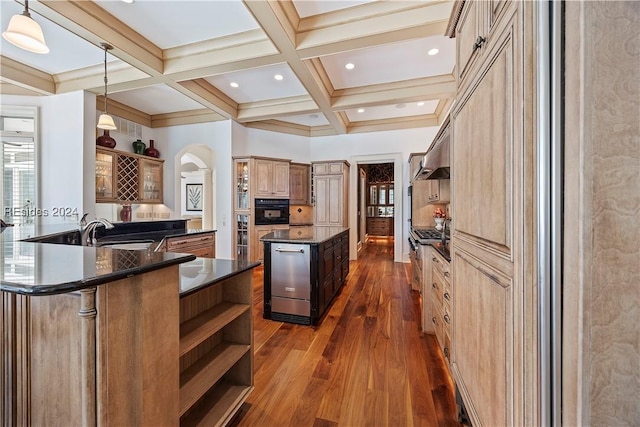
x=130, y=245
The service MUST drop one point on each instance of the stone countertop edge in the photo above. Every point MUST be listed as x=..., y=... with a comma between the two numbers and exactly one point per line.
x=320, y=235
x=217, y=279
x=438, y=247
x=68, y=287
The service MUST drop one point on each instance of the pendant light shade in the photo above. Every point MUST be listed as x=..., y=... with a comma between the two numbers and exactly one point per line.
x=25, y=33
x=105, y=121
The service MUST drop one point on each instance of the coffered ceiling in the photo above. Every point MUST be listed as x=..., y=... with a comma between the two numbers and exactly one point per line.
x=174, y=62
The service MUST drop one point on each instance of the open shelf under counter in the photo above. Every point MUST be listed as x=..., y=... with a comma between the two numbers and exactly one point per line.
x=216, y=339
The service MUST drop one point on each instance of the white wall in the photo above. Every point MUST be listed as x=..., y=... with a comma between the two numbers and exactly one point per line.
x=217, y=135
x=257, y=142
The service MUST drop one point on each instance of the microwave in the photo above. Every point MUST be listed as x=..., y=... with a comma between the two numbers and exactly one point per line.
x=271, y=211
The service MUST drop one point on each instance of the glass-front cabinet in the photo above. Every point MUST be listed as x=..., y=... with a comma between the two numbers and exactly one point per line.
x=104, y=176
x=151, y=181
x=123, y=177
x=242, y=237
x=242, y=185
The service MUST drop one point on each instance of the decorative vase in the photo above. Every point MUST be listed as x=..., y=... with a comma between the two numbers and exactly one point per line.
x=105, y=140
x=151, y=151
x=125, y=213
x=439, y=223
x=138, y=146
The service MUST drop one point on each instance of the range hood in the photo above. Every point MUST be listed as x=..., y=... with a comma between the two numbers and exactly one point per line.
x=435, y=164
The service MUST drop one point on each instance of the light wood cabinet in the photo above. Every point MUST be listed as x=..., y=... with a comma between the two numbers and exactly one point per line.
x=255, y=177
x=414, y=165
x=380, y=226
x=493, y=187
x=438, y=190
x=331, y=193
x=216, y=351
x=260, y=231
x=441, y=296
x=299, y=184
x=201, y=244
x=127, y=178
x=271, y=178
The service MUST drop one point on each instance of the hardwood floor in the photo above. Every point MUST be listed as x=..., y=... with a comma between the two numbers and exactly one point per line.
x=365, y=364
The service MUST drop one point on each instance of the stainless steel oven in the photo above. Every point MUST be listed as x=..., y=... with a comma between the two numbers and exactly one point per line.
x=271, y=211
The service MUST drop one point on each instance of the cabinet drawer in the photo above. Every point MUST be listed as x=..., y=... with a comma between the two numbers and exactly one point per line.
x=437, y=289
x=176, y=243
x=440, y=265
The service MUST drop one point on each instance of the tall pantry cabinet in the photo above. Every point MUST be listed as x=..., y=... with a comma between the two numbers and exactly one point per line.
x=493, y=187
x=331, y=193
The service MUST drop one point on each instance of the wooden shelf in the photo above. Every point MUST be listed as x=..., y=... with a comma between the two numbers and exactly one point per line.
x=194, y=331
x=219, y=406
x=196, y=380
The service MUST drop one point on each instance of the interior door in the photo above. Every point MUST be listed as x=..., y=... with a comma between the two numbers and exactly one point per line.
x=362, y=203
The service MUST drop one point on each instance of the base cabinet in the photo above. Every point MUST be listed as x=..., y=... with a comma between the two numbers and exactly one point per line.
x=328, y=271
x=201, y=244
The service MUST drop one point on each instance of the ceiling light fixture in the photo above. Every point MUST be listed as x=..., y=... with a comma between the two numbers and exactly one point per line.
x=128, y=1
x=278, y=77
x=433, y=51
x=25, y=33
x=360, y=110
x=349, y=66
x=420, y=104
x=105, y=121
x=234, y=84
x=313, y=116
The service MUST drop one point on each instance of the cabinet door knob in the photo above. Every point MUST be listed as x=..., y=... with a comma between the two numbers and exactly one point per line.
x=433, y=320
x=447, y=318
x=446, y=296
x=434, y=286
x=446, y=274
x=478, y=43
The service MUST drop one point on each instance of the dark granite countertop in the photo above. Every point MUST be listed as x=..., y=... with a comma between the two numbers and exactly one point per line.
x=32, y=268
x=310, y=235
x=203, y=272
x=443, y=249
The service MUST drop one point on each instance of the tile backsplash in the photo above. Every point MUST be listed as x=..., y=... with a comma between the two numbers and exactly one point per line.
x=300, y=214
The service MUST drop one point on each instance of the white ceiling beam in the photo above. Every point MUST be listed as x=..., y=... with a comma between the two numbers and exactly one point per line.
x=271, y=109
x=26, y=77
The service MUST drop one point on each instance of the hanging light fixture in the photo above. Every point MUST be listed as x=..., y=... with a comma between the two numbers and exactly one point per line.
x=25, y=33
x=105, y=121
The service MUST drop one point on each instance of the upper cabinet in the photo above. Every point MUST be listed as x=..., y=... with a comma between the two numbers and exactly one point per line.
x=414, y=165
x=331, y=193
x=123, y=177
x=272, y=178
x=473, y=30
x=299, y=184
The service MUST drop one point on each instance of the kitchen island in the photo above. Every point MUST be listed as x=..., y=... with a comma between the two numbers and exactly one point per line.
x=304, y=270
x=93, y=335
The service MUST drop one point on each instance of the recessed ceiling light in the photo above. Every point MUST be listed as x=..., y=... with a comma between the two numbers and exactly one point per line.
x=433, y=51
x=349, y=66
x=234, y=84
x=420, y=104
x=128, y=1
x=401, y=105
x=313, y=116
x=278, y=77
x=360, y=110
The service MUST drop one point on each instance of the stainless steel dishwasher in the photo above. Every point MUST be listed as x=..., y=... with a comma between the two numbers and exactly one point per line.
x=291, y=279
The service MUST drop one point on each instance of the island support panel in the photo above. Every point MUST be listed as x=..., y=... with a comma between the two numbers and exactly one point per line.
x=68, y=361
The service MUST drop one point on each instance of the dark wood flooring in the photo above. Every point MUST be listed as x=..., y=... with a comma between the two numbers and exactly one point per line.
x=366, y=364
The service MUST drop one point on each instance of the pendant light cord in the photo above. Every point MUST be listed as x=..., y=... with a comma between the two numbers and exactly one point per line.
x=105, y=80
x=25, y=12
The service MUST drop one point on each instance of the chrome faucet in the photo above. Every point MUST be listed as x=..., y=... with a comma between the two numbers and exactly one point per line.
x=88, y=232
x=446, y=224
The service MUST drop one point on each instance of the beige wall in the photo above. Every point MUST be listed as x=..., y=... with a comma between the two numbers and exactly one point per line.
x=601, y=367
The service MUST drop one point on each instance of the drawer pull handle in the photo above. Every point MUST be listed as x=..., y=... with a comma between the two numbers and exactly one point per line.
x=433, y=320
x=447, y=318
x=478, y=43
x=446, y=274
x=446, y=296
x=300, y=251
x=446, y=352
x=434, y=286
x=434, y=259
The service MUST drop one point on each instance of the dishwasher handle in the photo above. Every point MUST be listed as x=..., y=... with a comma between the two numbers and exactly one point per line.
x=297, y=251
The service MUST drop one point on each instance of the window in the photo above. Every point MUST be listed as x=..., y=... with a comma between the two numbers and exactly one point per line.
x=380, y=200
x=18, y=167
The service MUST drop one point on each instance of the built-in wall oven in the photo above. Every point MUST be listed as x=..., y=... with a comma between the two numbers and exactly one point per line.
x=271, y=211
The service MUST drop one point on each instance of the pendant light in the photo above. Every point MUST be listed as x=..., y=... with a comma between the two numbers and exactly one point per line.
x=25, y=33
x=105, y=121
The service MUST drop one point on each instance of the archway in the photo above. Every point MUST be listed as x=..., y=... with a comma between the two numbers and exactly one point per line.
x=195, y=170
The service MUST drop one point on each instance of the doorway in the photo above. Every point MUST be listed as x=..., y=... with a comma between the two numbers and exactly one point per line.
x=355, y=202
x=195, y=197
